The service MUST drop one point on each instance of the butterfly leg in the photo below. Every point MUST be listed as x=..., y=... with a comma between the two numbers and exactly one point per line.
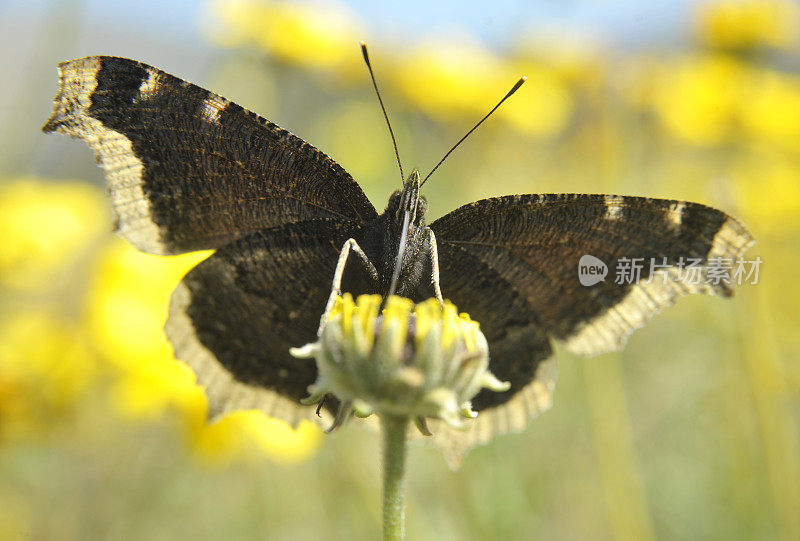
x=437, y=289
x=336, y=289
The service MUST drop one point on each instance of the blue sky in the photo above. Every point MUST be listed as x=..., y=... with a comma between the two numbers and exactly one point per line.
x=623, y=22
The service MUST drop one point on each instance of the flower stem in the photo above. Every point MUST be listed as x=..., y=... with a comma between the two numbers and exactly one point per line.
x=393, y=429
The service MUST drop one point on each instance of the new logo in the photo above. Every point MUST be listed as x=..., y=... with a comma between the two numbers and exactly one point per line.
x=591, y=270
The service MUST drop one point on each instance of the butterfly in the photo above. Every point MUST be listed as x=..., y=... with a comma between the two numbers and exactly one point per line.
x=189, y=170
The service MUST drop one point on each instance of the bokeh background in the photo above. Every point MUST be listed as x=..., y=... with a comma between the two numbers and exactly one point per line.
x=691, y=432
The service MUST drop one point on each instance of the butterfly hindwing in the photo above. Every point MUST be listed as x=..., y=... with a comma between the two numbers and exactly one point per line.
x=234, y=316
x=505, y=318
x=188, y=169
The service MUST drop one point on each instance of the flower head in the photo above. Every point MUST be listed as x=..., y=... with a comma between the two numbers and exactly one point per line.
x=417, y=361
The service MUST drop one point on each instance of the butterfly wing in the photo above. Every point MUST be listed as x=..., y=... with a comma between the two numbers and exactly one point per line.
x=514, y=262
x=188, y=169
x=234, y=316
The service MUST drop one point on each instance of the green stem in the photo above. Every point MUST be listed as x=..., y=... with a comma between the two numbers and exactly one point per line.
x=394, y=430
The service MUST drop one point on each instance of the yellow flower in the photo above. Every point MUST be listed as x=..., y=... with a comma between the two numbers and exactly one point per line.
x=128, y=303
x=461, y=78
x=151, y=391
x=48, y=231
x=45, y=227
x=579, y=58
x=747, y=24
x=127, y=310
x=543, y=107
x=45, y=367
x=411, y=361
x=696, y=97
x=770, y=111
x=452, y=78
x=250, y=435
x=112, y=346
x=768, y=191
x=317, y=34
x=445, y=78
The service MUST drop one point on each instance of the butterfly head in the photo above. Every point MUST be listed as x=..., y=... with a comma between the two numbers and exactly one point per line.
x=405, y=236
x=409, y=200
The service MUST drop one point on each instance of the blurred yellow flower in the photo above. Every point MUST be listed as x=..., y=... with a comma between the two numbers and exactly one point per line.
x=128, y=303
x=457, y=78
x=580, y=58
x=45, y=227
x=453, y=77
x=45, y=366
x=150, y=391
x=746, y=24
x=127, y=310
x=770, y=110
x=541, y=108
x=768, y=191
x=318, y=34
x=446, y=78
x=251, y=434
x=696, y=97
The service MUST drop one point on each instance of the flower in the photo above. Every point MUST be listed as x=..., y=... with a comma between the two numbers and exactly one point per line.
x=318, y=34
x=770, y=109
x=749, y=24
x=46, y=366
x=449, y=79
x=46, y=228
x=696, y=96
x=249, y=435
x=422, y=361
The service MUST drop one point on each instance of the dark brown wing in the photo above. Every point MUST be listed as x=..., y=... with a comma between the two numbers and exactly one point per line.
x=188, y=169
x=512, y=262
x=536, y=241
x=234, y=317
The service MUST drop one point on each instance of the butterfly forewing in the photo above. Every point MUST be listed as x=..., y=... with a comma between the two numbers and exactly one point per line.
x=535, y=242
x=188, y=169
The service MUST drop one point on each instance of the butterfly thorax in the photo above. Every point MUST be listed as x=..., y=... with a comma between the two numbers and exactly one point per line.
x=384, y=236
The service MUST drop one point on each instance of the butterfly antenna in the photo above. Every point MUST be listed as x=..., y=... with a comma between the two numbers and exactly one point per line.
x=380, y=100
x=475, y=127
